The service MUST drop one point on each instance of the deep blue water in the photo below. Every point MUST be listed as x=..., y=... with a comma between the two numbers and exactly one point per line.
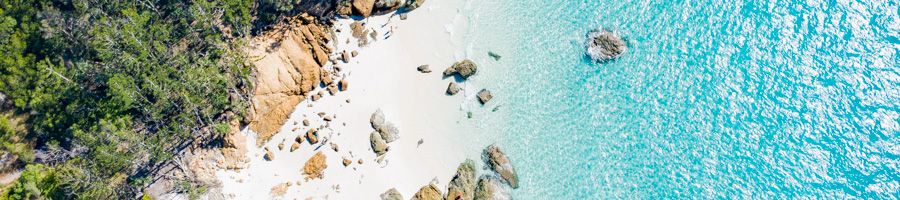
x=714, y=99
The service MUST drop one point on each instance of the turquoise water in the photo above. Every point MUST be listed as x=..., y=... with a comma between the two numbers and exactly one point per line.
x=714, y=99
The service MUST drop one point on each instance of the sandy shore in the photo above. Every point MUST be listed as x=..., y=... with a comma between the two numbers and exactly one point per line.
x=383, y=76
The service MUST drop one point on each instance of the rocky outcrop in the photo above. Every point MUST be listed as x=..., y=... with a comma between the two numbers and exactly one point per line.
x=490, y=188
x=462, y=186
x=498, y=162
x=428, y=192
x=464, y=69
x=315, y=167
x=287, y=62
x=234, y=149
x=453, y=88
x=484, y=96
x=379, y=146
x=604, y=45
x=391, y=194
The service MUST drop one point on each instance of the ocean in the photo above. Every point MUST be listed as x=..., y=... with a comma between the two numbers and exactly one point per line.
x=713, y=99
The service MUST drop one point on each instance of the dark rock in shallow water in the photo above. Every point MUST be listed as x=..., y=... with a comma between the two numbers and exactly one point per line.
x=605, y=45
x=453, y=88
x=462, y=186
x=498, y=162
x=424, y=69
x=484, y=96
x=490, y=188
x=428, y=192
x=493, y=55
x=391, y=194
x=465, y=69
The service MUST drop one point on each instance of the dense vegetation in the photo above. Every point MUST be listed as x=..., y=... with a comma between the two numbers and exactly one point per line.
x=112, y=89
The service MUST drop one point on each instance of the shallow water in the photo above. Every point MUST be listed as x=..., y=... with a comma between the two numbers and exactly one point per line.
x=739, y=99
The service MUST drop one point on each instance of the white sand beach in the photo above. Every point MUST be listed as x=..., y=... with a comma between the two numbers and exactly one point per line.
x=384, y=76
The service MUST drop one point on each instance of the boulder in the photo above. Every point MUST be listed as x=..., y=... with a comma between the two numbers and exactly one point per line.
x=413, y=4
x=424, y=69
x=498, y=162
x=343, y=84
x=604, y=45
x=453, y=88
x=312, y=136
x=344, y=9
x=377, y=119
x=484, y=96
x=345, y=57
x=389, y=132
x=465, y=69
x=428, y=192
x=305, y=122
x=347, y=162
x=462, y=186
x=379, y=146
x=387, y=6
x=332, y=89
x=391, y=194
x=315, y=166
x=295, y=146
x=490, y=188
x=269, y=155
x=354, y=53
x=363, y=7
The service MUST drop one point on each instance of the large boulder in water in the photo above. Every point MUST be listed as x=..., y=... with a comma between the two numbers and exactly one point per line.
x=605, y=45
x=498, y=162
x=462, y=186
x=465, y=69
x=490, y=188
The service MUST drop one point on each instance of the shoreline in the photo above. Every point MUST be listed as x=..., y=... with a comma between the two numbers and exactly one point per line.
x=382, y=76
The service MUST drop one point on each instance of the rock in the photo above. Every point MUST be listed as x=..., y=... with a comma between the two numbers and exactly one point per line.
x=498, y=162
x=490, y=188
x=315, y=166
x=605, y=45
x=391, y=194
x=360, y=161
x=387, y=6
x=334, y=147
x=312, y=136
x=295, y=146
x=424, y=69
x=281, y=146
x=363, y=7
x=343, y=84
x=389, y=132
x=326, y=79
x=462, y=186
x=403, y=16
x=413, y=4
x=345, y=57
x=379, y=146
x=280, y=189
x=347, y=162
x=332, y=89
x=465, y=69
x=484, y=96
x=305, y=122
x=360, y=33
x=328, y=118
x=269, y=155
x=354, y=53
x=377, y=119
x=428, y=192
x=453, y=88
x=316, y=97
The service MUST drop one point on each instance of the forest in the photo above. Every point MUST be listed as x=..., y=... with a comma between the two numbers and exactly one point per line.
x=97, y=94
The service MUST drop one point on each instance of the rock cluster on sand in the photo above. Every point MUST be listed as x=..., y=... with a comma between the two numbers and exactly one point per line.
x=428, y=192
x=391, y=194
x=605, y=45
x=315, y=166
x=464, y=69
x=385, y=132
x=462, y=186
x=498, y=162
x=484, y=96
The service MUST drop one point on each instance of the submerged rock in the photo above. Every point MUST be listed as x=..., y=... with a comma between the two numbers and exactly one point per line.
x=379, y=146
x=428, y=192
x=462, y=186
x=484, y=96
x=453, y=88
x=465, y=69
x=493, y=55
x=498, y=162
x=490, y=188
x=391, y=194
x=389, y=132
x=605, y=45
